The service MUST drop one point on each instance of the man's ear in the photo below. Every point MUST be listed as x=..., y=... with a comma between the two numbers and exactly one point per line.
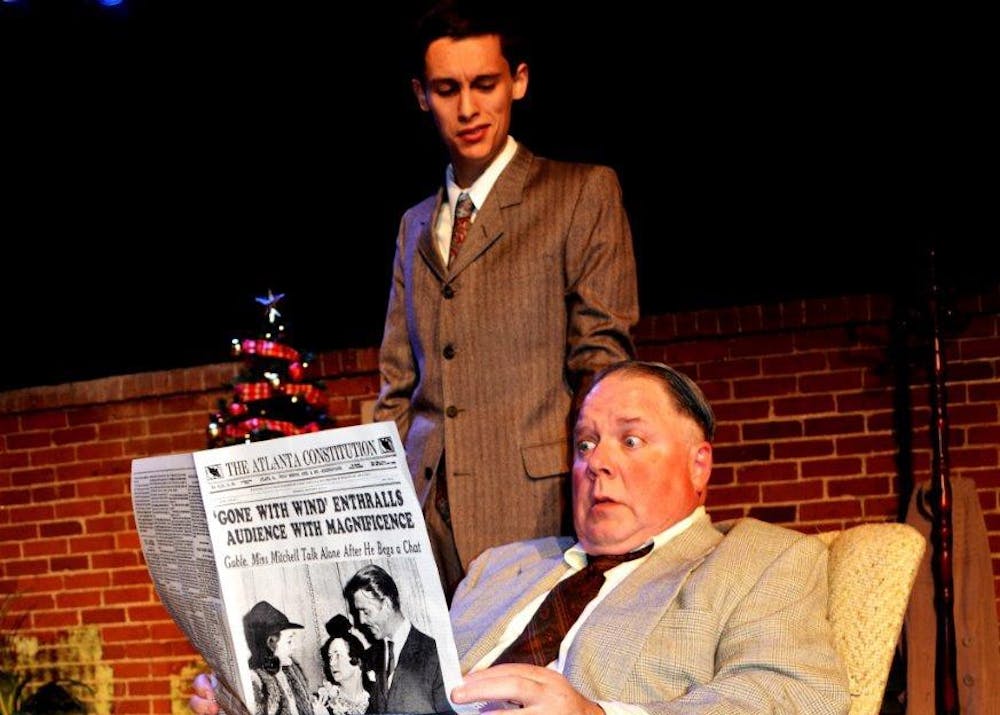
x=520, y=81
x=701, y=468
x=418, y=91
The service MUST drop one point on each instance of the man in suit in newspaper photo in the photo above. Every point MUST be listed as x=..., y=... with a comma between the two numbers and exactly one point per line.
x=403, y=660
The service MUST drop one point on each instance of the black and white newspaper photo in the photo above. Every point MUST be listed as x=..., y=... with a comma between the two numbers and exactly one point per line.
x=325, y=585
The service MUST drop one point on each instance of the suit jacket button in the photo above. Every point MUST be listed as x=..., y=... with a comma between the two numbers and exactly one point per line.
x=452, y=411
x=448, y=352
x=448, y=292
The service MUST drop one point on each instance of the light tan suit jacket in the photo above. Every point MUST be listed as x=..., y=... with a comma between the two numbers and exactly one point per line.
x=709, y=623
x=480, y=360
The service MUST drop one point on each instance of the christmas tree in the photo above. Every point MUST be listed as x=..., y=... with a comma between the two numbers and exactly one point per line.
x=270, y=397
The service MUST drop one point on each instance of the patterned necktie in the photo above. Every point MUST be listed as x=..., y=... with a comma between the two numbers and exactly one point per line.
x=459, y=230
x=390, y=661
x=539, y=642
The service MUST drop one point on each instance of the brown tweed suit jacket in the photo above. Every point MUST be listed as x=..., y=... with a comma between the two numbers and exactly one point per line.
x=711, y=622
x=480, y=361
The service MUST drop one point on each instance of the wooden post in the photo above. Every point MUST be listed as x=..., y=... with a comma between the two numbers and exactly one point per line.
x=941, y=530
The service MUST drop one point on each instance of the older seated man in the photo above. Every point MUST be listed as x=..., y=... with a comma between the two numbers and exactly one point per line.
x=654, y=609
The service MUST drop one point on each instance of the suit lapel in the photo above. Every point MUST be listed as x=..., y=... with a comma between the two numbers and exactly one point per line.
x=530, y=583
x=628, y=614
x=490, y=225
x=425, y=240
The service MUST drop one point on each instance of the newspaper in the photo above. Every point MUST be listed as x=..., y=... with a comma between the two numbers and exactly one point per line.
x=242, y=540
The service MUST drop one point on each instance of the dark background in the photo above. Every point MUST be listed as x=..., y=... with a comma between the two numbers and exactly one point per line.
x=165, y=162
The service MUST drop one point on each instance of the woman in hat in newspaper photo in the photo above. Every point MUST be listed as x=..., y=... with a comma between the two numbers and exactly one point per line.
x=279, y=685
x=347, y=690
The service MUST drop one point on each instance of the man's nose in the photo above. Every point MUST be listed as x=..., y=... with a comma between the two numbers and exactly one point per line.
x=599, y=461
x=466, y=105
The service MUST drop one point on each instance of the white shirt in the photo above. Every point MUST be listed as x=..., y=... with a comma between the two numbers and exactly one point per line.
x=478, y=192
x=576, y=559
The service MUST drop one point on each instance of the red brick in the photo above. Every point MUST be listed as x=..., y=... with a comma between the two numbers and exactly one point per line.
x=125, y=633
x=166, y=631
x=91, y=544
x=9, y=551
x=83, y=433
x=880, y=422
x=29, y=440
x=831, y=467
x=147, y=614
x=803, y=448
x=100, y=450
x=845, y=424
x=864, y=401
x=18, y=532
x=78, y=599
x=122, y=577
x=104, y=524
x=13, y=460
x=801, y=491
x=887, y=507
x=12, y=497
x=764, y=387
x=129, y=670
x=772, y=472
x=774, y=514
x=812, y=405
x=728, y=369
x=722, y=475
x=984, y=435
x=29, y=477
x=772, y=344
x=726, y=514
x=78, y=471
x=978, y=348
x=742, y=453
x=979, y=413
x=101, y=487
x=846, y=358
x=43, y=420
x=78, y=508
x=117, y=505
x=772, y=429
x=727, y=495
x=860, y=486
x=133, y=706
x=131, y=594
x=57, y=619
x=103, y=615
x=793, y=364
x=147, y=446
x=739, y=411
x=114, y=560
x=985, y=392
x=69, y=563
x=726, y=434
x=26, y=567
x=91, y=579
x=865, y=444
x=973, y=457
x=831, y=382
x=128, y=540
x=46, y=547
x=121, y=430
x=177, y=423
x=825, y=510
x=61, y=528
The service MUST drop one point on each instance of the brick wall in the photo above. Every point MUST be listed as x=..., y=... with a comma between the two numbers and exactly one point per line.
x=814, y=432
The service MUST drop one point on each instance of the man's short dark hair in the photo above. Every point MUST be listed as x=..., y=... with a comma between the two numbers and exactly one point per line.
x=376, y=582
x=459, y=19
x=688, y=397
